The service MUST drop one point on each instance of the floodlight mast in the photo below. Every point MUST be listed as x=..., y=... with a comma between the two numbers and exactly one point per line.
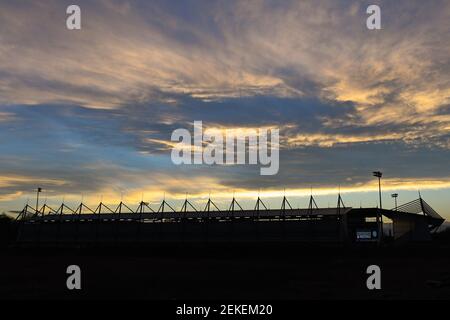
x=39, y=190
x=395, y=196
x=379, y=174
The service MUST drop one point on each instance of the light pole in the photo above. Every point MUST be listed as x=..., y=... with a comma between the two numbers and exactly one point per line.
x=379, y=174
x=395, y=196
x=39, y=190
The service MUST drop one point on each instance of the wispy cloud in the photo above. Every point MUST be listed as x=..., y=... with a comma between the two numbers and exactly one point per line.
x=104, y=100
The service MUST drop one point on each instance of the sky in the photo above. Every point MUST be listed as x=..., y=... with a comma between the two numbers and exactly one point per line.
x=88, y=114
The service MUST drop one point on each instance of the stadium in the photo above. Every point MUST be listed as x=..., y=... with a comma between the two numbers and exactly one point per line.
x=414, y=221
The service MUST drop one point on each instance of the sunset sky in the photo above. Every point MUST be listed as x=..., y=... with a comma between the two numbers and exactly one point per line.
x=89, y=113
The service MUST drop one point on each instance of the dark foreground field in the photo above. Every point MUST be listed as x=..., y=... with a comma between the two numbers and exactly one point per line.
x=227, y=272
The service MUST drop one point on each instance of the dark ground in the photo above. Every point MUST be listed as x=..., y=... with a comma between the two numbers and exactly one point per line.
x=275, y=271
